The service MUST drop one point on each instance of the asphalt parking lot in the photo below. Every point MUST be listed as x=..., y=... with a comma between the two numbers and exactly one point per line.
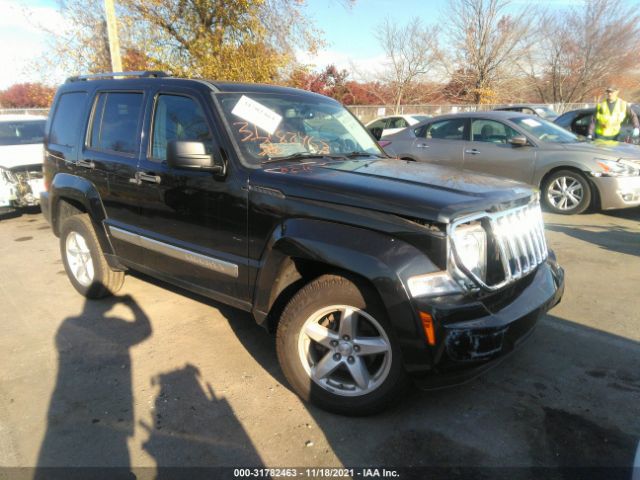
x=160, y=378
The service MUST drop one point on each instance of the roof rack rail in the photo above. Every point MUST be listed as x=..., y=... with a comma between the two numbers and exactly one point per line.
x=142, y=73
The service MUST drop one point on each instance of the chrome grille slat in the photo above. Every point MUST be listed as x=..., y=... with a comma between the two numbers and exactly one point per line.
x=524, y=252
x=537, y=252
x=519, y=236
x=526, y=235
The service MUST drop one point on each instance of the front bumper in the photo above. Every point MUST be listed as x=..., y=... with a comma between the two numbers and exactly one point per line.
x=472, y=334
x=618, y=192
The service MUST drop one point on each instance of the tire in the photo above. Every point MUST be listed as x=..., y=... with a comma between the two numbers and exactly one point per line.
x=319, y=309
x=84, y=260
x=566, y=192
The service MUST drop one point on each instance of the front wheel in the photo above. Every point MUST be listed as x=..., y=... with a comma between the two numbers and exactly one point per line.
x=337, y=349
x=566, y=192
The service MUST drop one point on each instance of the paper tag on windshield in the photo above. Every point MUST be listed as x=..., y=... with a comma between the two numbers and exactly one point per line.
x=531, y=122
x=258, y=114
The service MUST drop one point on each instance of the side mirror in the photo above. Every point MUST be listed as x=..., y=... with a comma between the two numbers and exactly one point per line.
x=191, y=155
x=519, y=141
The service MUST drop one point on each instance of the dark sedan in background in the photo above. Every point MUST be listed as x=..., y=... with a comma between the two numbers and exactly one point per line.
x=577, y=121
x=571, y=172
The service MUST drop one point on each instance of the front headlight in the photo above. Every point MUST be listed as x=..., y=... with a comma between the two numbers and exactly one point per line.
x=470, y=243
x=610, y=168
x=432, y=284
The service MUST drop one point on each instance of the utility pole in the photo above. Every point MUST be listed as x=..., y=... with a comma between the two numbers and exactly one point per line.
x=112, y=32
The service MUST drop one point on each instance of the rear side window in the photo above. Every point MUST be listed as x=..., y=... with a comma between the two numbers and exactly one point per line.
x=397, y=123
x=178, y=118
x=115, y=122
x=21, y=133
x=67, y=118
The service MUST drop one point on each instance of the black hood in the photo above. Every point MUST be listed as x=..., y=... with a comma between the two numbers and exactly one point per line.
x=411, y=189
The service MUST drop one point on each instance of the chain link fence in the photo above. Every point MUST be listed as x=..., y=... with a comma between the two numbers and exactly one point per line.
x=366, y=113
x=24, y=111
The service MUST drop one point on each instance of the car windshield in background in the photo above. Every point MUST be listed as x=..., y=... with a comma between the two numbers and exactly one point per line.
x=421, y=118
x=22, y=133
x=269, y=126
x=544, y=130
x=546, y=112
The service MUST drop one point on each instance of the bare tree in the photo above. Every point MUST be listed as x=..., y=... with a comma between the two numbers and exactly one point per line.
x=412, y=52
x=486, y=43
x=583, y=48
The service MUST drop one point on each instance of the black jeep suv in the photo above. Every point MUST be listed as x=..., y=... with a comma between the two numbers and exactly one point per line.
x=370, y=270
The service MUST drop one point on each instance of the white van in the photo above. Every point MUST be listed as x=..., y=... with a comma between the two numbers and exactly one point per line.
x=21, y=152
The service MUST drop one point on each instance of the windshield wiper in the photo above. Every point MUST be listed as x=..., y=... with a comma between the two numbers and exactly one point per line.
x=363, y=154
x=295, y=157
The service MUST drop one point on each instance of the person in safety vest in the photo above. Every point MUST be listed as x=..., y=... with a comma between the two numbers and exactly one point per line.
x=610, y=114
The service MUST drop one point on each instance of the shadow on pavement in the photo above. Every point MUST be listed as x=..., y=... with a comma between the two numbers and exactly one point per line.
x=193, y=428
x=628, y=213
x=91, y=419
x=90, y=414
x=615, y=239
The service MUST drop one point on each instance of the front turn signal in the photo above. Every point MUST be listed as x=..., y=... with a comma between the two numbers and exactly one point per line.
x=427, y=325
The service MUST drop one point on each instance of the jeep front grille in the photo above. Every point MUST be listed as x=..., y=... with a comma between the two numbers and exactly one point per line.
x=517, y=238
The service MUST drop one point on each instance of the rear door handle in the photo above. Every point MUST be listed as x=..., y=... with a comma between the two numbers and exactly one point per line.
x=472, y=151
x=147, y=177
x=86, y=164
x=422, y=145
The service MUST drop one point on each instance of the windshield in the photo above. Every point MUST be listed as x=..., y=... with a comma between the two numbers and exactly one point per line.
x=546, y=112
x=22, y=132
x=268, y=126
x=544, y=130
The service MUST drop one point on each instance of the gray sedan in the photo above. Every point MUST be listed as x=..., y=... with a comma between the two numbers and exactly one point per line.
x=571, y=172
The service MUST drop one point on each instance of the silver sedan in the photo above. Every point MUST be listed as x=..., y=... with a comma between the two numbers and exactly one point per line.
x=571, y=172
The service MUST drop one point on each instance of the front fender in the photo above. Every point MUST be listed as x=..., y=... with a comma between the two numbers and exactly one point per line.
x=383, y=260
x=557, y=164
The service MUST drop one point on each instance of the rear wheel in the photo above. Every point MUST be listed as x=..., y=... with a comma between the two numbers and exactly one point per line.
x=337, y=349
x=84, y=260
x=566, y=192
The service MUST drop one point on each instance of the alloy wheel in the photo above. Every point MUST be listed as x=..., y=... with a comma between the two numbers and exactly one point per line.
x=79, y=259
x=565, y=193
x=344, y=350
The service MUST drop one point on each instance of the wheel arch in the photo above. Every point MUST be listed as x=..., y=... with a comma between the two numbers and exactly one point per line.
x=556, y=168
x=71, y=195
x=303, y=249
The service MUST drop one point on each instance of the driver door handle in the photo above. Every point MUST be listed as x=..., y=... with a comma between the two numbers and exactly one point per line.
x=472, y=151
x=86, y=164
x=147, y=177
x=422, y=145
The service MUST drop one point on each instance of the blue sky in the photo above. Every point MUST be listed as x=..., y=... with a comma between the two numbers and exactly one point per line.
x=349, y=32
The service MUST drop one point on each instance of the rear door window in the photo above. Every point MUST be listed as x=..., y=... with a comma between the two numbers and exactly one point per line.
x=116, y=122
x=67, y=119
x=452, y=129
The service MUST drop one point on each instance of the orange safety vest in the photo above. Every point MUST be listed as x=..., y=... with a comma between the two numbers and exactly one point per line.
x=608, y=123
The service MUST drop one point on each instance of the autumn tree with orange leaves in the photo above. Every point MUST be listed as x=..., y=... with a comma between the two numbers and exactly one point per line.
x=27, y=95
